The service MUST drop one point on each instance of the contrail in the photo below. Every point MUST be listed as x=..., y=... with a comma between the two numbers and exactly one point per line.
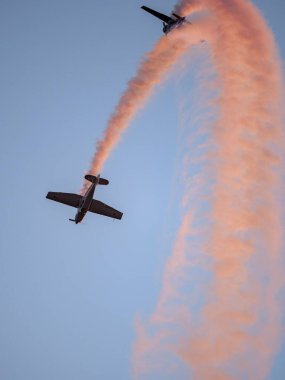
x=239, y=324
x=152, y=71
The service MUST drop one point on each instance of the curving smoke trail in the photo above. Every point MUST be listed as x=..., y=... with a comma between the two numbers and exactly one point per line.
x=152, y=71
x=236, y=331
x=240, y=323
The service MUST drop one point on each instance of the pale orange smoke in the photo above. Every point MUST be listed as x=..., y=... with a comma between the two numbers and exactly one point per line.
x=152, y=70
x=238, y=331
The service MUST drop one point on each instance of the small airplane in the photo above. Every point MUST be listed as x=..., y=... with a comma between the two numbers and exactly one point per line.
x=86, y=203
x=169, y=23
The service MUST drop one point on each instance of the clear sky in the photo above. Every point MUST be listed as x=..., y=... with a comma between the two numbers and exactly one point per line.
x=69, y=294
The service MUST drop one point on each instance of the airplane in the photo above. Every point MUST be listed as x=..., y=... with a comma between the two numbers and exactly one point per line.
x=169, y=23
x=86, y=203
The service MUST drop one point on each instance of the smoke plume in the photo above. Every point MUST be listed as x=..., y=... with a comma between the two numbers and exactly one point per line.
x=233, y=331
x=238, y=328
x=151, y=72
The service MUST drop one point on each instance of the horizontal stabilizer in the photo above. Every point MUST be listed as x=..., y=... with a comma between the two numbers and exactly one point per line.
x=93, y=179
x=103, y=181
x=175, y=15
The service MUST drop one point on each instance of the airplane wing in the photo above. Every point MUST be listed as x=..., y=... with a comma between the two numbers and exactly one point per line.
x=69, y=199
x=157, y=14
x=103, y=209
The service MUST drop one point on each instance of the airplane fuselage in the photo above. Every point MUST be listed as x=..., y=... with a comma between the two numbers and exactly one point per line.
x=172, y=25
x=86, y=202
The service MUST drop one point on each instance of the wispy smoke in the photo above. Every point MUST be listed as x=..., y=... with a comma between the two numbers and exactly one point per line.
x=152, y=71
x=236, y=331
x=239, y=325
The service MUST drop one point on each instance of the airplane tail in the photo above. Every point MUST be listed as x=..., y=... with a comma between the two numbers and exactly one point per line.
x=93, y=179
x=177, y=16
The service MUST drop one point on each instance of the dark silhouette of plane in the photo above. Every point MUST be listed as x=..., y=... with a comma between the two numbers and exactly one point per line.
x=169, y=23
x=86, y=203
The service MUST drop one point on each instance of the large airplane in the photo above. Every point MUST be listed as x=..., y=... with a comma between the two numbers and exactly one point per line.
x=86, y=203
x=169, y=23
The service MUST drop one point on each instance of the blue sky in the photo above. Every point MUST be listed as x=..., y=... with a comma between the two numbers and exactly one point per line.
x=69, y=294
